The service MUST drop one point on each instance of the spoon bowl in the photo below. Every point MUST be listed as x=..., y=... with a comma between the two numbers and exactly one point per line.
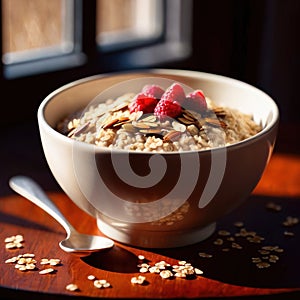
x=75, y=242
x=84, y=244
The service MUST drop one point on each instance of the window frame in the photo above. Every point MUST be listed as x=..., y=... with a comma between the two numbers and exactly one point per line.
x=174, y=44
x=54, y=62
x=134, y=39
x=28, y=84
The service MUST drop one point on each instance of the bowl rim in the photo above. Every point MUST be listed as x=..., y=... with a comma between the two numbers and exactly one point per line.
x=178, y=72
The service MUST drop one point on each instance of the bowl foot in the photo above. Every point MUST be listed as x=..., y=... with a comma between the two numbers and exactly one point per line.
x=156, y=239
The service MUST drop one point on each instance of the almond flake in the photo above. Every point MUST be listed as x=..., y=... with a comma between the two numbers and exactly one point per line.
x=109, y=123
x=173, y=135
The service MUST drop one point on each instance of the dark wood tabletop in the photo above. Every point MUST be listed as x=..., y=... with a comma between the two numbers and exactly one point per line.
x=254, y=251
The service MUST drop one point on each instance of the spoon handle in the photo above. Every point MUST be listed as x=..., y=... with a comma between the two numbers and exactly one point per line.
x=29, y=189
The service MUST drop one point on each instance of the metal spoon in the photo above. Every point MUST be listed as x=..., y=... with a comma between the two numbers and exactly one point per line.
x=75, y=242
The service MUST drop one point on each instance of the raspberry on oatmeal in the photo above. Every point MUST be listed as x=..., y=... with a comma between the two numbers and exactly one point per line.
x=142, y=122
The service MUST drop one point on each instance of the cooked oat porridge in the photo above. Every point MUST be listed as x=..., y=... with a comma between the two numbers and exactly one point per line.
x=159, y=120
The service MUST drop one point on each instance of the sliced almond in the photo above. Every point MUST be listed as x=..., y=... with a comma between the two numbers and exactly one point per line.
x=110, y=123
x=121, y=106
x=128, y=127
x=119, y=123
x=150, y=131
x=220, y=112
x=215, y=122
x=191, y=114
x=171, y=136
x=150, y=124
x=188, y=116
x=186, y=121
x=149, y=118
x=140, y=124
x=123, y=119
x=81, y=129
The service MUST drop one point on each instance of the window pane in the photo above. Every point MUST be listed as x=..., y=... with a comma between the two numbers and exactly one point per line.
x=121, y=22
x=35, y=29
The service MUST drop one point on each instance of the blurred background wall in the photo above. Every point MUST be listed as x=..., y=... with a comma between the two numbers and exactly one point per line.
x=254, y=41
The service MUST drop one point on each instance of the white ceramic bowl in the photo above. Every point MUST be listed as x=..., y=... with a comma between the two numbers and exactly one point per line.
x=196, y=188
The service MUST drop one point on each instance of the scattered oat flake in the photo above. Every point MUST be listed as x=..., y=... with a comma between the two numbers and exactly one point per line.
x=91, y=277
x=180, y=275
x=203, y=254
x=14, y=238
x=30, y=266
x=21, y=267
x=162, y=264
x=223, y=232
x=14, y=241
x=289, y=233
x=236, y=246
x=290, y=221
x=262, y=265
x=166, y=274
x=101, y=283
x=255, y=239
x=28, y=255
x=54, y=261
x=273, y=206
x=72, y=287
x=238, y=224
x=46, y=271
x=138, y=280
x=218, y=242
x=198, y=271
x=11, y=260
x=51, y=261
x=13, y=245
x=273, y=258
x=9, y=239
x=154, y=269
x=143, y=270
x=269, y=248
x=263, y=252
x=225, y=249
x=279, y=250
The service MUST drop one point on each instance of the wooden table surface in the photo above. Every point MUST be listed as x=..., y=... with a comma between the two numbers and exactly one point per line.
x=225, y=274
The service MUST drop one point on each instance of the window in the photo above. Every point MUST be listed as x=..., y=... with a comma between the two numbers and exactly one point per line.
x=36, y=29
x=48, y=34
x=163, y=36
x=46, y=44
x=138, y=22
x=40, y=34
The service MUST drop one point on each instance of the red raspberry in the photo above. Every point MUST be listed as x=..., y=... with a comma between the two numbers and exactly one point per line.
x=195, y=101
x=165, y=108
x=174, y=93
x=153, y=90
x=142, y=102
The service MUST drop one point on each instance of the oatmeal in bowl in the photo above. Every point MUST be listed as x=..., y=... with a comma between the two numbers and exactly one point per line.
x=159, y=120
x=157, y=157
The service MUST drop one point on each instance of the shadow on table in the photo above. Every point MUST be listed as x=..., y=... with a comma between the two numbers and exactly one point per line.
x=235, y=260
x=232, y=265
x=116, y=259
